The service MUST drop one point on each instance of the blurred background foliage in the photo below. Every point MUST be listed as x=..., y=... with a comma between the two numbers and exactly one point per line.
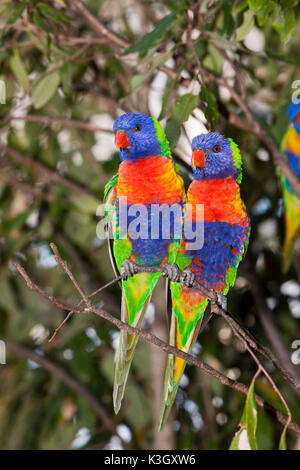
x=65, y=85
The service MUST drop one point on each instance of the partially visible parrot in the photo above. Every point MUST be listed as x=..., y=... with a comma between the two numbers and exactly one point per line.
x=147, y=176
x=291, y=147
x=217, y=173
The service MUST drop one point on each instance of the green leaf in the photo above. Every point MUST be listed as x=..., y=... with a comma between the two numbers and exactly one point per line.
x=228, y=22
x=282, y=442
x=184, y=106
x=45, y=89
x=173, y=131
x=138, y=80
x=256, y=4
x=246, y=26
x=9, y=225
x=211, y=112
x=245, y=438
x=18, y=68
x=18, y=10
x=39, y=22
x=152, y=39
x=284, y=24
x=55, y=15
x=265, y=12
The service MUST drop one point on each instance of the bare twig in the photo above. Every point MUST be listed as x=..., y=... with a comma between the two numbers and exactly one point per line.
x=52, y=175
x=70, y=381
x=158, y=342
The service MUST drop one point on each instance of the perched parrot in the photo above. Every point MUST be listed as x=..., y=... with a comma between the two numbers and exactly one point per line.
x=217, y=173
x=147, y=177
x=291, y=147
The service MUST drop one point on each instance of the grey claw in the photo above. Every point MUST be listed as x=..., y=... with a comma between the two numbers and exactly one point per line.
x=172, y=271
x=128, y=269
x=188, y=277
x=222, y=301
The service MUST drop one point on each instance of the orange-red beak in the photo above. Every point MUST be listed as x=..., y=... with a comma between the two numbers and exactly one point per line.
x=121, y=140
x=298, y=119
x=198, y=158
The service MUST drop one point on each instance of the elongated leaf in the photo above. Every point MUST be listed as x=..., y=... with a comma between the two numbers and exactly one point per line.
x=45, y=89
x=245, y=438
x=282, y=442
x=152, y=39
x=256, y=4
x=9, y=225
x=184, y=106
x=247, y=25
x=40, y=22
x=211, y=112
x=55, y=15
x=19, y=70
x=17, y=12
x=265, y=12
x=284, y=25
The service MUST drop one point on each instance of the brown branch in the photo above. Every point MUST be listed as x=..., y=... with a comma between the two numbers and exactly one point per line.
x=56, y=120
x=267, y=319
x=70, y=381
x=51, y=175
x=158, y=342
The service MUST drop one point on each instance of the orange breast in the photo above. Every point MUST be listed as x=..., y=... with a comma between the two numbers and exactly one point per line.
x=150, y=180
x=221, y=200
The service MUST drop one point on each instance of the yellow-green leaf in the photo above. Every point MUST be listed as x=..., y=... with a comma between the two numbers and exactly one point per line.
x=18, y=68
x=245, y=438
x=45, y=89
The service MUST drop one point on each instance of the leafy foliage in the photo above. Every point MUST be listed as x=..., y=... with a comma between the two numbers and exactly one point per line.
x=65, y=85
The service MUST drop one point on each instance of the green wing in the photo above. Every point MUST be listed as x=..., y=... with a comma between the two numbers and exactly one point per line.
x=109, y=186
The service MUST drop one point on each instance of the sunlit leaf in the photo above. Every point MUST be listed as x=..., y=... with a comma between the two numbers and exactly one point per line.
x=246, y=26
x=19, y=69
x=245, y=438
x=151, y=39
x=45, y=89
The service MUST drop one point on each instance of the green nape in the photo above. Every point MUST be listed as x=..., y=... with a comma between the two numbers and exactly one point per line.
x=161, y=136
x=237, y=158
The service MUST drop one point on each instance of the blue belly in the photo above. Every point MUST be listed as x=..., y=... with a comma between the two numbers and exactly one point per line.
x=223, y=244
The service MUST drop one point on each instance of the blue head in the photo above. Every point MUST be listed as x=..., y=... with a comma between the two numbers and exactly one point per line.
x=293, y=113
x=138, y=136
x=215, y=157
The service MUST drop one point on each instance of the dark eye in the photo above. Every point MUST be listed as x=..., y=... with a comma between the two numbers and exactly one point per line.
x=217, y=148
x=138, y=127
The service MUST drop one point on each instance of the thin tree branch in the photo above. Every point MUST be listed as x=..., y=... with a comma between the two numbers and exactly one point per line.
x=51, y=175
x=56, y=120
x=70, y=381
x=159, y=343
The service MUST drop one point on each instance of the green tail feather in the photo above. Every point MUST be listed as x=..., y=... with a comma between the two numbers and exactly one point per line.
x=171, y=382
x=125, y=354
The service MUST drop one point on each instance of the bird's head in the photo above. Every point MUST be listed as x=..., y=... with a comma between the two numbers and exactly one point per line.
x=215, y=157
x=138, y=136
x=294, y=115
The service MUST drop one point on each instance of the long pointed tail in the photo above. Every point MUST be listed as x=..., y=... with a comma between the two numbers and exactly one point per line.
x=292, y=225
x=292, y=234
x=175, y=368
x=125, y=353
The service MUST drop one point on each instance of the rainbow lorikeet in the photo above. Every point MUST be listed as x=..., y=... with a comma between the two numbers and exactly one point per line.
x=217, y=173
x=291, y=147
x=147, y=178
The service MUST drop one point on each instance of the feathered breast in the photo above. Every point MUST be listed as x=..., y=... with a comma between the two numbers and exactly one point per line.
x=221, y=200
x=150, y=180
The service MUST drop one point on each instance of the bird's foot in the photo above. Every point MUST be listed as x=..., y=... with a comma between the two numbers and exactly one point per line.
x=172, y=271
x=187, y=278
x=222, y=301
x=128, y=269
